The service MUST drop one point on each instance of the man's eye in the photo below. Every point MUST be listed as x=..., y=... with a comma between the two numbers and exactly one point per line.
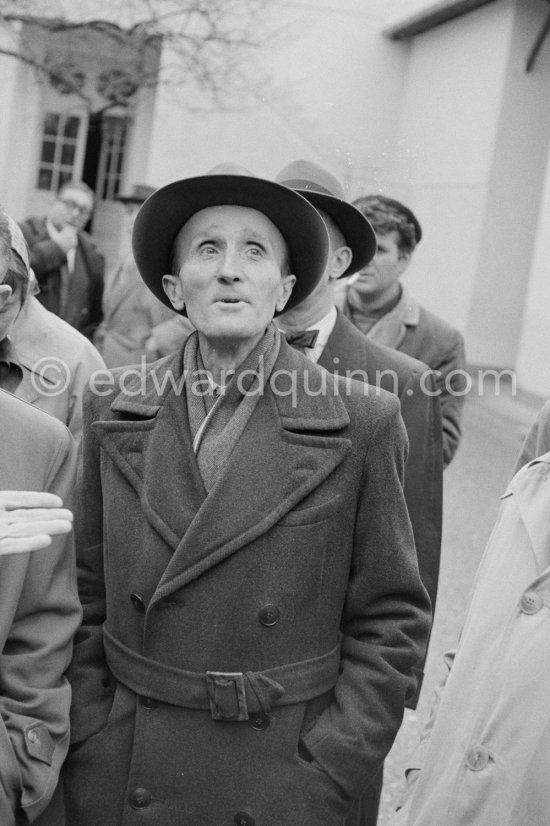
x=255, y=251
x=208, y=249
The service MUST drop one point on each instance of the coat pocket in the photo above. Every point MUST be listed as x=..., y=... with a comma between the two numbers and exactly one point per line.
x=311, y=515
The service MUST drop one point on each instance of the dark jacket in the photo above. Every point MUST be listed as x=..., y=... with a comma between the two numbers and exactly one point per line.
x=294, y=583
x=350, y=353
x=83, y=305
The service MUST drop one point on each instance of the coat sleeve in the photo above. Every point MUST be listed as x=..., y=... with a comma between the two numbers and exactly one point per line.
x=384, y=627
x=88, y=673
x=421, y=412
x=35, y=695
x=451, y=381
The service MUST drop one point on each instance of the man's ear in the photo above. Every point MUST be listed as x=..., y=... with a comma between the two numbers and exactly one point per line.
x=404, y=261
x=5, y=293
x=341, y=259
x=287, y=285
x=171, y=285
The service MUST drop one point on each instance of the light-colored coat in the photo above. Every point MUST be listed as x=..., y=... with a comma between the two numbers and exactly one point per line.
x=487, y=759
x=39, y=614
x=57, y=362
x=303, y=544
x=130, y=312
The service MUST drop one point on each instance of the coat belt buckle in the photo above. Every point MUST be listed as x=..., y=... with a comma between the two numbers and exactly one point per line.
x=227, y=695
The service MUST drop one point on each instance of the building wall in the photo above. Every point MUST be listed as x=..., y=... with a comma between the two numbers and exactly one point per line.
x=533, y=362
x=448, y=128
x=334, y=96
x=514, y=196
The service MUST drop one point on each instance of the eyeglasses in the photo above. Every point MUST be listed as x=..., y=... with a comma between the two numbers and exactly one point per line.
x=74, y=207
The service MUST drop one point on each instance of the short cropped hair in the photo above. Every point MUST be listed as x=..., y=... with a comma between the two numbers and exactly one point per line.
x=385, y=216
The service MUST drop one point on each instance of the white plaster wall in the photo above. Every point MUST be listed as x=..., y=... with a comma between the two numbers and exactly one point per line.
x=445, y=150
x=513, y=198
x=533, y=363
x=335, y=98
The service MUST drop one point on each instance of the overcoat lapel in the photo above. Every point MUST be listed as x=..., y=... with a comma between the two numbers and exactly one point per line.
x=299, y=446
x=154, y=452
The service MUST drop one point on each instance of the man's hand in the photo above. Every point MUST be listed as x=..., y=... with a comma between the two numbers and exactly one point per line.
x=29, y=519
x=67, y=238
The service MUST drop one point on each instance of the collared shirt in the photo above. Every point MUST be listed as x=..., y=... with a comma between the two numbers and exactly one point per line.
x=325, y=327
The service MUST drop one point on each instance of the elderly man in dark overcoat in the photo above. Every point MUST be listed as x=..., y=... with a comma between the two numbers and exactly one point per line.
x=253, y=610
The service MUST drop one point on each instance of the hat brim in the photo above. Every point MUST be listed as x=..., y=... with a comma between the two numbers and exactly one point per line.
x=356, y=229
x=165, y=212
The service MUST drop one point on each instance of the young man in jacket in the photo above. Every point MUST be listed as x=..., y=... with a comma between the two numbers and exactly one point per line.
x=381, y=307
x=253, y=610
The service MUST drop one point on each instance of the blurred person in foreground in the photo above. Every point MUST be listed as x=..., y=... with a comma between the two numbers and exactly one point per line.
x=537, y=440
x=130, y=310
x=484, y=754
x=67, y=263
x=329, y=339
x=253, y=610
x=379, y=305
x=43, y=360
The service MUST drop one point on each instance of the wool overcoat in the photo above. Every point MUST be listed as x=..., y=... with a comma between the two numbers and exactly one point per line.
x=245, y=654
x=83, y=305
x=39, y=614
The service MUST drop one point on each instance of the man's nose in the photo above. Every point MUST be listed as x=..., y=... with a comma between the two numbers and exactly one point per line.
x=229, y=269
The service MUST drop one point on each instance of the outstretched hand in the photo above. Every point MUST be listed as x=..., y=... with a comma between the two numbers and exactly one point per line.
x=29, y=519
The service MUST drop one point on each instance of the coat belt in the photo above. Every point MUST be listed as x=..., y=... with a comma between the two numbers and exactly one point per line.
x=229, y=695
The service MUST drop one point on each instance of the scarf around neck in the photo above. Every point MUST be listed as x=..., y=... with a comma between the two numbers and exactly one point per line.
x=218, y=415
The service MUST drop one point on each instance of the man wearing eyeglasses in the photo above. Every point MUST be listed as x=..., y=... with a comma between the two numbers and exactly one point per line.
x=66, y=262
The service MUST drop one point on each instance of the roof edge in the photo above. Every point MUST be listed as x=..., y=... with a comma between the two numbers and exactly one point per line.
x=434, y=16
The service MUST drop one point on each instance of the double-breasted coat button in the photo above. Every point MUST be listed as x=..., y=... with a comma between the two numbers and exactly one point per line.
x=259, y=720
x=531, y=602
x=269, y=615
x=477, y=758
x=148, y=702
x=140, y=798
x=243, y=819
x=137, y=602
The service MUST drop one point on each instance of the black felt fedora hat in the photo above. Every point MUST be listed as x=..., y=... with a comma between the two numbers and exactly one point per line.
x=324, y=191
x=163, y=214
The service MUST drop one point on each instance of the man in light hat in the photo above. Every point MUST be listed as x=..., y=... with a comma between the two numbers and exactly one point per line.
x=337, y=345
x=379, y=305
x=253, y=610
x=43, y=360
x=130, y=311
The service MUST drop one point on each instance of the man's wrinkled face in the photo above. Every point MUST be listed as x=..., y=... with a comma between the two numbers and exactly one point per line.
x=382, y=274
x=72, y=206
x=230, y=263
